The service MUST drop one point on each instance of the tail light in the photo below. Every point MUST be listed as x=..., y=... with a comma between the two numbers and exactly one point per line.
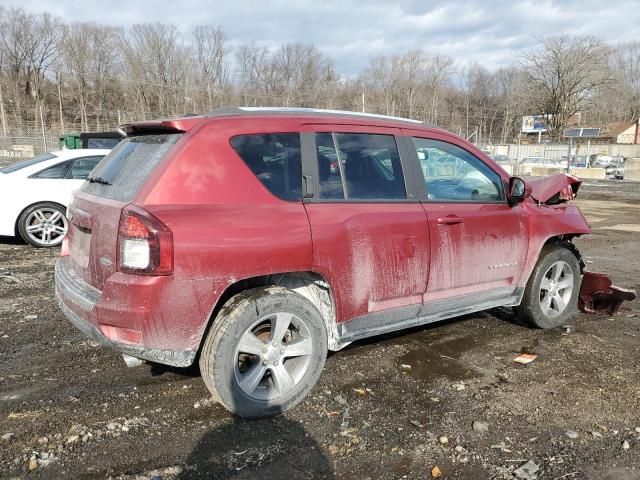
x=145, y=244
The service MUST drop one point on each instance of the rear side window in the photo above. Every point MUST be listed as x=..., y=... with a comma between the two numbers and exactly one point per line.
x=81, y=167
x=275, y=159
x=55, y=172
x=359, y=166
x=120, y=174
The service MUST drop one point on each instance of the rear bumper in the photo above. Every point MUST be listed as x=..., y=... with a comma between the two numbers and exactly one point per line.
x=80, y=303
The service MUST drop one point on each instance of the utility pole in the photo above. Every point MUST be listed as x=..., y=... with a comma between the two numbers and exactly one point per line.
x=4, y=120
x=363, y=90
x=44, y=131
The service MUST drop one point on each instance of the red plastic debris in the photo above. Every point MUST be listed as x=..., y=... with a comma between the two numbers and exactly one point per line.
x=599, y=295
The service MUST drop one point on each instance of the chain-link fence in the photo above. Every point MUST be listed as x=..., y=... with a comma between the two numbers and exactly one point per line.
x=29, y=140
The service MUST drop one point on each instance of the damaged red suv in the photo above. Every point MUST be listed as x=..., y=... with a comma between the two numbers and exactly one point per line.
x=254, y=240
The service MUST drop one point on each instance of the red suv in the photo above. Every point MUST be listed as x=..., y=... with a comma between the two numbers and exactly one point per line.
x=254, y=240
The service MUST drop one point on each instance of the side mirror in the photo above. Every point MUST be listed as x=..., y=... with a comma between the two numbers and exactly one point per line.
x=518, y=190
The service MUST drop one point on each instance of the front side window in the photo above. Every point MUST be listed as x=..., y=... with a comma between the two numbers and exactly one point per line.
x=55, y=172
x=274, y=158
x=359, y=166
x=453, y=174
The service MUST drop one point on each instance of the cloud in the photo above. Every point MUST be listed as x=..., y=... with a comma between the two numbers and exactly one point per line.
x=351, y=31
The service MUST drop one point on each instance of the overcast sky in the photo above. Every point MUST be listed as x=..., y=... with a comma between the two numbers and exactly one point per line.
x=490, y=32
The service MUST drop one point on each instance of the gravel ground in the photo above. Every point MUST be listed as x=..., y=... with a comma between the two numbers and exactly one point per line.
x=399, y=406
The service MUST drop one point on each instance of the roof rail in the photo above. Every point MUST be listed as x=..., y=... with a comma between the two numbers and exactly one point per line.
x=300, y=110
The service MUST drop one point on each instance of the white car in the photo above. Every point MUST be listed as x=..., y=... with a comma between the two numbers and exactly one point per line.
x=34, y=194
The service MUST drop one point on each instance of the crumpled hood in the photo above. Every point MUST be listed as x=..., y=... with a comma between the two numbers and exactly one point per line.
x=554, y=189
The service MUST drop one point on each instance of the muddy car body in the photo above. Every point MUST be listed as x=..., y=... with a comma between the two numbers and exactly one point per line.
x=237, y=239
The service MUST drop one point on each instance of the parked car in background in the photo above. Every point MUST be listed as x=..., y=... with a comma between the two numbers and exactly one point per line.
x=257, y=239
x=34, y=194
x=503, y=159
x=615, y=168
x=578, y=161
x=525, y=167
x=606, y=160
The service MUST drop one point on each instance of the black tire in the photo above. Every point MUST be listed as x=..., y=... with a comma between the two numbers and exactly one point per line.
x=38, y=239
x=220, y=362
x=530, y=309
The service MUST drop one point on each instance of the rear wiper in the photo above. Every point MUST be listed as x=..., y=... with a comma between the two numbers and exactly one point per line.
x=98, y=180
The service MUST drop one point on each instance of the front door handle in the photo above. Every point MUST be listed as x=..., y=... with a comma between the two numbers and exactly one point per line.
x=449, y=220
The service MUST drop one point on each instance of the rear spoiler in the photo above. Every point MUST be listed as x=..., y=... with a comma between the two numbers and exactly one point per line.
x=150, y=127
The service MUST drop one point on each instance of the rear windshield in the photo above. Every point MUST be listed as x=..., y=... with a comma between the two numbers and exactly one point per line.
x=120, y=174
x=27, y=163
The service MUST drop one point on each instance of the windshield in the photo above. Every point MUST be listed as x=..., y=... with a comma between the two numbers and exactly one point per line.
x=123, y=171
x=27, y=163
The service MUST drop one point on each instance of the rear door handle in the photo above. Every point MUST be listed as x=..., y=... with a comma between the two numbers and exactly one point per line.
x=449, y=220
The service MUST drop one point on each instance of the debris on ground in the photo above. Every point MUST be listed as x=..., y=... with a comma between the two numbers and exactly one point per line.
x=443, y=439
x=436, y=472
x=625, y=445
x=527, y=471
x=572, y=434
x=599, y=295
x=480, y=427
x=525, y=358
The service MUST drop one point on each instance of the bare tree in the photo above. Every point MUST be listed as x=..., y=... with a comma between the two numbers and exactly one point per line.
x=90, y=75
x=437, y=75
x=563, y=73
x=626, y=66
x=212, y=57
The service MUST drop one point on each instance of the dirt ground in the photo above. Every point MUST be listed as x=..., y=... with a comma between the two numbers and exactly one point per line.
x=71, y=409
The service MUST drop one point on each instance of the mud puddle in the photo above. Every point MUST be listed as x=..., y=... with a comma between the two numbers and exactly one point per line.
x=440, y=359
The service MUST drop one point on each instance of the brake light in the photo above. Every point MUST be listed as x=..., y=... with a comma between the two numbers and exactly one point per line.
x=145, y=244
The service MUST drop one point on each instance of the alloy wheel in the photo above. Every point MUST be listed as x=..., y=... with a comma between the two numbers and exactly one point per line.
x=272, y=356
x=556, y=289
x=46, y=226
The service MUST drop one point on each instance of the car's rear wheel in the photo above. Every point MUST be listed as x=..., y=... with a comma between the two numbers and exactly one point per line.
x=43, y=224
x=551, y=295
x=264, y=352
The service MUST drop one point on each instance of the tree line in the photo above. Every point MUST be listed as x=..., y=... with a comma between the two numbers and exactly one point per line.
x=91, y=76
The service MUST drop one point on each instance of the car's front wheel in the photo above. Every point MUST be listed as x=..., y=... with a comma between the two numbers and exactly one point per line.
x=551, y=295
x=43, y=224
x=264, y=352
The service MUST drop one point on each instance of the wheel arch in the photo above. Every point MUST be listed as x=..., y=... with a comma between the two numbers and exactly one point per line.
x=311, y=285
x=565, y=241
x=561, y=240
